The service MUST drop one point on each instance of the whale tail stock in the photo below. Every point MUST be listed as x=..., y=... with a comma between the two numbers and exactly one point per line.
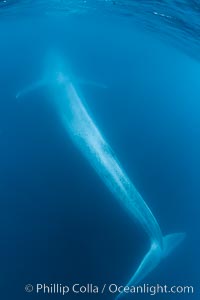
x=154, y=257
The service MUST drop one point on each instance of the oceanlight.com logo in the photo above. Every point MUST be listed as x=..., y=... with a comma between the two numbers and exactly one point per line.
x=78, y=289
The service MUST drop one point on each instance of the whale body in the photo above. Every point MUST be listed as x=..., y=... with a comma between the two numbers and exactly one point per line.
x=85, y=134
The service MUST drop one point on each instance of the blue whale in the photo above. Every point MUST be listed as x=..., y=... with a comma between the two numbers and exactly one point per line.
x=84, y=133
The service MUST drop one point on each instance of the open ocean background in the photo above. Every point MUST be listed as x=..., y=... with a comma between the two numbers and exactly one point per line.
x=58, y=222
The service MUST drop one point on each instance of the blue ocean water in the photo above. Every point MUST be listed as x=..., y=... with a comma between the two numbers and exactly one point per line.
x=59, y=223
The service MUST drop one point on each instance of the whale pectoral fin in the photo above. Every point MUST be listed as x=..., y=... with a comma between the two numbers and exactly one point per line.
x=30, y=88
x=41, y=83
x=92, y=83
x=153, y=258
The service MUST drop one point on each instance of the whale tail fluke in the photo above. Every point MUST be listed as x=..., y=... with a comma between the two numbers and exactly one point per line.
x=154, y=257
x=171, y=241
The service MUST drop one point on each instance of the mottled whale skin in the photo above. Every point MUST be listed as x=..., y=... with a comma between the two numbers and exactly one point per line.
x=88, y=139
